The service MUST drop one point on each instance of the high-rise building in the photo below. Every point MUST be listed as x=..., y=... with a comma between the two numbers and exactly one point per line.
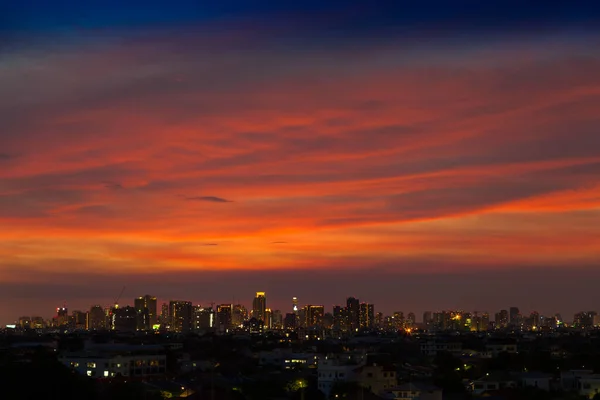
x=367, y=316
x=224, y=317
x=145, y=307
x=277, y=320
x=164, y=314
x=515, y=317
x=79, y=319
x=239, y=315
x=62, y=316
x=353, y=307
x=411, y=320
x=379, y=320
x=124, y=319
x=501, y=320
x=180, y=315
x=204, y=319
x=289, y=322
x=294, y=305
x=399, y=322
x=96, y=318
x=314, y=316
x=259, y=306
x=268, y=319
x=340, y=318
x=37, y=322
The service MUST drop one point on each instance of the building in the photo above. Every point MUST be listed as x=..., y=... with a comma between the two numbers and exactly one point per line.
x=224, y=317
x=164, y=318
x=353, y=313
x=79, y=320
x=276, y=320
x=289, y=321
x=124, y=319
x=411, y=320
x=376, y=377
x=62, y=316
x=107, y=361
x=414, y=391
x=146, y=309
x=367, y=316
x=434, y=346
x=259, y=306
x=501, y=320
x=180, y=315
x=239, y=315
x=203, y=319
x=339, y=368
x=96, y=318
x=314, y=316
x=340, y=318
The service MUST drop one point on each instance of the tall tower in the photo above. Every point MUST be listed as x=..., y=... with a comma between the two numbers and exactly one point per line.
x=145, y=307
x=259, y=306
x=295, y=305
x=353, y=306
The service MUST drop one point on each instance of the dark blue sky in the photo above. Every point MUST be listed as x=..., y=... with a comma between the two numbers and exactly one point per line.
x=41, y=16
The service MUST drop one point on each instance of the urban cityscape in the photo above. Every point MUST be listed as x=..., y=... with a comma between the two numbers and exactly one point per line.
x=299, y=200
x=183, y=317
x=174, y=349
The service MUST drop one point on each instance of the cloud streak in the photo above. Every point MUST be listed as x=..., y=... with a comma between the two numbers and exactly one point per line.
x=210, y=199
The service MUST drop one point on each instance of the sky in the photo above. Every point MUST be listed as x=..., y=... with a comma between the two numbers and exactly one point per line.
x=419, y=156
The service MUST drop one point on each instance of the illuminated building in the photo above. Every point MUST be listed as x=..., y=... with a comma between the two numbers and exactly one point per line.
x=379, y=320
x=239, y=315
x=515, y=317
x=367, y=316
x=276, y=320
x=204, y=319
x=353, y=313
x=180, y=316
x=37, y=323
x=501, y=320
x=164, y=314
x=314, y=316
x=295, y=305
x=96, y=318
x=146, y=309
x=411, y=320
x=224, y=317
x=62, y=316
x=340, y=318
x=108, y=361
x=268, y=318
x=79, y=319
x=399, y=323
x=25, y=322
x=124, y=319
x=259, y=306
x=428, y=320
x=289, y=322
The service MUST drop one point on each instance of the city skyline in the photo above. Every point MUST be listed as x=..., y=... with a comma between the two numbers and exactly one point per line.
x=438, y=155
x=153, y=313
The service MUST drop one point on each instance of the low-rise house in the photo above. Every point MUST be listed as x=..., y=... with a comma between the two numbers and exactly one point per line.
x=106, y=361
x=333, y=369
x=493, y=382
x=435, y=346
x=538, y=380
x=414, y=391
x=376, y=377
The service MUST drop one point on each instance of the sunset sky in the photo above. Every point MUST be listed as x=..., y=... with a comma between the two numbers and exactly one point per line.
x=425, y=158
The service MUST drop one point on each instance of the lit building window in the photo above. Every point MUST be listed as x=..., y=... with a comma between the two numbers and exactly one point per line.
x=89, y=373
x=91, y=365
x=105, y=373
